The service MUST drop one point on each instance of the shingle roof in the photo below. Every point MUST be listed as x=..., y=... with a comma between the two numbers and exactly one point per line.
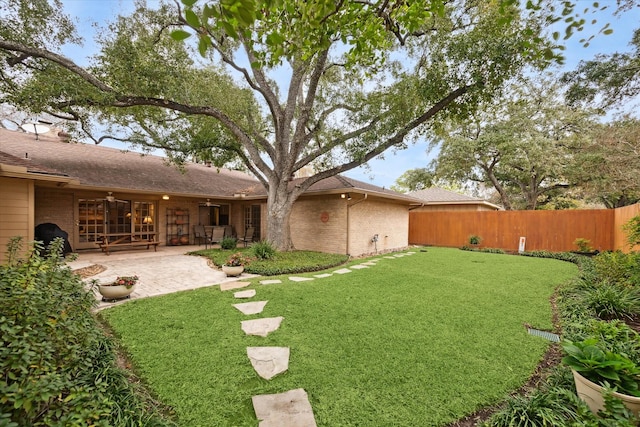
x=8, y=159
x=113, y=169
x=105, y=167
x=436, y=194
x=343, y=183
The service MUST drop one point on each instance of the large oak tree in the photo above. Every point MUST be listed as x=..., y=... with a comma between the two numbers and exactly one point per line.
x=278, y=84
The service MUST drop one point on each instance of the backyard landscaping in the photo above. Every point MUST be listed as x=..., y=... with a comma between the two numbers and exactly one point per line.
x=419, y=340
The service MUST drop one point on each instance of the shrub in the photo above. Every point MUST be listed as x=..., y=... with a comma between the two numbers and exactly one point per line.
x=618, y=267
x=632, y=228
x=613, y=301
x=584, y=245
x=229, y=243
x=263, y=250
x=474, y=240
x=58, y=367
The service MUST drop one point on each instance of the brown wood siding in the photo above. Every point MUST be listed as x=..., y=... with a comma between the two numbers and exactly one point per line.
x=544, y=230
x=16, y=211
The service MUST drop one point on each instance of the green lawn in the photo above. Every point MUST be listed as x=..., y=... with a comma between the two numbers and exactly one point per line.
x=416, y=341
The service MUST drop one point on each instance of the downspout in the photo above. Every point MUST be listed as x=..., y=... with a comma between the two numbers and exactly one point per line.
x=416, y=207
x=348, y=219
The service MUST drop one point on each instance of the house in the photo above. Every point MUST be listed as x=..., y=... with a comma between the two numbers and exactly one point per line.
x=439, y=199
x=91, y=190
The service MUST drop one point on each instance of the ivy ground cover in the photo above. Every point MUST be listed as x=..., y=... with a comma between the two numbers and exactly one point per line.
x=418, y=340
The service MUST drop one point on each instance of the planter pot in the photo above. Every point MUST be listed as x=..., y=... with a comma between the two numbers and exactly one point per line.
x=232, y=270
x=591, y=394
x=179, y=221
x=179, y=212
x=174, y=241
x=184, y=240
x=110, y=292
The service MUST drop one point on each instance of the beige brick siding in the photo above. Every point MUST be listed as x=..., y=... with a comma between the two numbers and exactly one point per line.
x=350, y=226
x=309, y=232
x=16, y=211
x=389, y=221
x=57, y=207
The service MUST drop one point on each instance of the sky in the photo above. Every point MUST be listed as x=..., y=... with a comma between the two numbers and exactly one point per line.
x=381, y=172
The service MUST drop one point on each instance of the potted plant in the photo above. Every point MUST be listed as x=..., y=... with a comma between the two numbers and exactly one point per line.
x=594, y=369
x=234, y=265
x=122, y=287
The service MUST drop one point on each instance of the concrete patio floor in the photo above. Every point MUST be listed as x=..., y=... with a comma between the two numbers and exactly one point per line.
x=165, y=271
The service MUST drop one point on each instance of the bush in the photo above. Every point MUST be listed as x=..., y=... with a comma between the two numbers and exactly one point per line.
x=229, y=243
x=263, y=250
x=612, y=301
x=58, y=367
x=618, y=267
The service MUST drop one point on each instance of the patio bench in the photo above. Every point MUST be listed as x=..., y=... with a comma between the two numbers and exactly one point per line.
x=127, y=240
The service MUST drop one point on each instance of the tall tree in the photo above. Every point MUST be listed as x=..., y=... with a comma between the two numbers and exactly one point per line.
x=608, y=79
x=413, y=180
x=326, y=83
x=608, y=166
x=519, y=145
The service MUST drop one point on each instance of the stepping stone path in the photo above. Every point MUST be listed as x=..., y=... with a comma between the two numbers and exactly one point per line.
x=261, y=327
x=269, y=361
x=300, y=279
x=245, y=294
x=251, y=307
x=291, y=408
x=233, y=285
x=270, y=282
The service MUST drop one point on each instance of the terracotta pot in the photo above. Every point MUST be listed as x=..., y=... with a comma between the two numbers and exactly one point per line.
x=184, y=240
x=179, y=221
x=232, y=270
x=179, y=212
x=174, y=241
x=591, y=394
x=111, y=292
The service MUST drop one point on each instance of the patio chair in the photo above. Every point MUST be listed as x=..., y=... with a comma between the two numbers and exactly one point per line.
x=248, y=236
x=199, y=234
x=217, y=234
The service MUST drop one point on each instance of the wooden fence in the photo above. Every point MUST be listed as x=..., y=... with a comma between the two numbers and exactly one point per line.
x=543, y=230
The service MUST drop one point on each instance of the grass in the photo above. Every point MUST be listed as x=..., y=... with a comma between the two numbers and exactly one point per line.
x=419, y=340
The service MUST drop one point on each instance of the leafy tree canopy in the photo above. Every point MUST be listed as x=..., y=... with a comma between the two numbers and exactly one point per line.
x=279, y=84
x=519, y=144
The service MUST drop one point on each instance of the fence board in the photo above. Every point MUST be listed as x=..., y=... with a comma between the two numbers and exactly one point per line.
x=544, y=230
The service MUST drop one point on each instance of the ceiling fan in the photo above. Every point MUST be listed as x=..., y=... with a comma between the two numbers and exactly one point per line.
x=111, y=198
x=208, y=204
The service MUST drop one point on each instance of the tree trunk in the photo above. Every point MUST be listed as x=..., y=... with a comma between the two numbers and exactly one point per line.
x=279, y=206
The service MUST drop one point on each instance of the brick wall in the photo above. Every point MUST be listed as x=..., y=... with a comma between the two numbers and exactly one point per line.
x=57, y=207
x=350, y=225
x=368, y=218
x=320, y=224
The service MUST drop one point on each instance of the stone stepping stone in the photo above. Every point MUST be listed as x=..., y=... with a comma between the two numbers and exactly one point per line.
x=245, y=294
x=398, y=255
x=251, y=307
x=233, y=285
x=375, y=259
x=323, y=275
x=359, y=266
x=269, y=361
x=410, y=253
x=270, y=282
x=369, y=263
x=300, y=279
x=261, y=327
x=390, y=257
x=342, y=271
x=288, y=409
